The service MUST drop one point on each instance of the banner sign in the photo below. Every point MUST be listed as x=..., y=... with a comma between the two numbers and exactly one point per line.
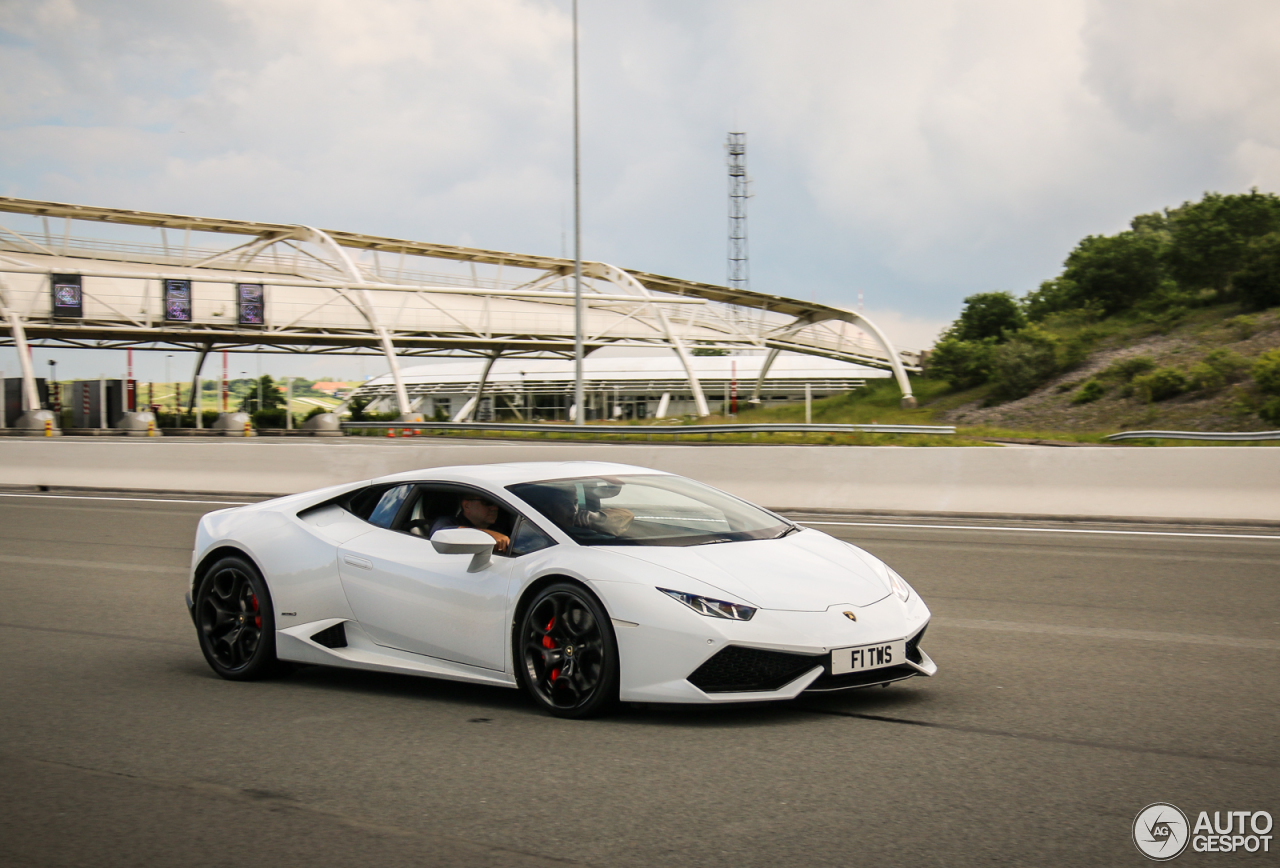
x=68, y=299
x=250, y=304
x=177, y=301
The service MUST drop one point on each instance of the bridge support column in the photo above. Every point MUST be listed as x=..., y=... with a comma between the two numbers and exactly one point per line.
x=469, y=409
x=195, y=383
x=899, y=372
x=764, y=372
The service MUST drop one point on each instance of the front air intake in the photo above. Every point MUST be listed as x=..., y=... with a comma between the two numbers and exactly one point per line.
x=735, y=669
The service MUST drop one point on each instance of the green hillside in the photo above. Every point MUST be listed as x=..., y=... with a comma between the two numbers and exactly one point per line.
x=1173, y=323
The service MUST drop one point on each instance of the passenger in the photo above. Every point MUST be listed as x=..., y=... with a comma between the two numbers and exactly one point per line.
x=476, y=511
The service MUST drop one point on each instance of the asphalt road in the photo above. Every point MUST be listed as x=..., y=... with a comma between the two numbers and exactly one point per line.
x=1083, y=676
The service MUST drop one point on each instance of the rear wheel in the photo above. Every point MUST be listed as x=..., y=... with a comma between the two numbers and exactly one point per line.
x=565, y=651
x=234, y=620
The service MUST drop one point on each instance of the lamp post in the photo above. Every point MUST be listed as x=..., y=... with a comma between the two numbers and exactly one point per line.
x=579, y=397
x=167, y=380
x=54, y=404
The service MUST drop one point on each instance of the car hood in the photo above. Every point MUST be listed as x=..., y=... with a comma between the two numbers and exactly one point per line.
x=805, y=572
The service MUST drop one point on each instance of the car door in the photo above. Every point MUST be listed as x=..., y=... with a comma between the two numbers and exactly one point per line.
x=409, y=597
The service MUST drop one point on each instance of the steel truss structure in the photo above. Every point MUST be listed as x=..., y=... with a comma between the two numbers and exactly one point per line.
x=330, y=291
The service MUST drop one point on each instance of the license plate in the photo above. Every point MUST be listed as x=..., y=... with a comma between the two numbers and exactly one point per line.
x=864, y=657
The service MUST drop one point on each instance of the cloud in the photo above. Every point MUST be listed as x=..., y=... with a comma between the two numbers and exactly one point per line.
x=918, y=151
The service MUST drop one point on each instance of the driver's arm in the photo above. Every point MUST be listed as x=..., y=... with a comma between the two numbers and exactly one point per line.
x=501, y=540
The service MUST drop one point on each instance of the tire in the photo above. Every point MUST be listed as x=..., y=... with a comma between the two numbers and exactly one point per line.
x=566, y=656
x=235, y=621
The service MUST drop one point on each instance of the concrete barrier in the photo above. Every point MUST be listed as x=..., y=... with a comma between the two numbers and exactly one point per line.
x=1185, y=482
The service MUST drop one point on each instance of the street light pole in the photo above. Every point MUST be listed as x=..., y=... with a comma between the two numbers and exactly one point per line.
x=579, y=395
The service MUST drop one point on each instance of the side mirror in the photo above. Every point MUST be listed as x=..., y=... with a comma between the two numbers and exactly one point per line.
x=465, y=541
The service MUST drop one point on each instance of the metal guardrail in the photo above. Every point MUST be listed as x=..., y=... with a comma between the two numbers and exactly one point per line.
x=1194, y=435
x=676, y=430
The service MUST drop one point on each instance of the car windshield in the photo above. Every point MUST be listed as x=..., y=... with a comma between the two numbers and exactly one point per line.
x=647, y=510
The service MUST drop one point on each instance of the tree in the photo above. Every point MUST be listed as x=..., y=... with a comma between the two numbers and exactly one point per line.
x=272, y=397
x=1051, y=297
x=1210, y=238
x=1114, y=271
x=1258, y=281
x=994, y=315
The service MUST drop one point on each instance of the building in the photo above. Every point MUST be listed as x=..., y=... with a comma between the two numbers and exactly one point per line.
x=617, y=386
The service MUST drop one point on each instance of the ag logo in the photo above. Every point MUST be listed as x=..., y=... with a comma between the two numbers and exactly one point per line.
x=1161, y=832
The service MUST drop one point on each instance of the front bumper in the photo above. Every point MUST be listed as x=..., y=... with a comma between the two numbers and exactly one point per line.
x=742, y=669
x=671, y=654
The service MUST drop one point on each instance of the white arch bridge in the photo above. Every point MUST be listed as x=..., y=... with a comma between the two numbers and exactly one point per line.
x=87, y=277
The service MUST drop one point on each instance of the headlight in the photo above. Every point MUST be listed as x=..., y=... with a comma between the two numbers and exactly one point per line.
x=900, y=588
x=712, y=608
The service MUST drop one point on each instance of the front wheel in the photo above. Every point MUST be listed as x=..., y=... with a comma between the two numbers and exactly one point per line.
x=234, y=621
x=565, y=651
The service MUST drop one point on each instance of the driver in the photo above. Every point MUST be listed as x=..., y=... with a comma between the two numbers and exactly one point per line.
x=475, y=510
x=562, y=507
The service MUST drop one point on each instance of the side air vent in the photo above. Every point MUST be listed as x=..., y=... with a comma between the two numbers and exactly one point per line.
x=332, y=637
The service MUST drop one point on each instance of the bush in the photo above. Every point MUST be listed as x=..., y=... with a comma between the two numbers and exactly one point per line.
x=1243, y=326
x=1217, y=369
x=1125, y=370
x=273, y=418
x=963, y=364
x=1091, y=391
x=1205, y=378
x=1266, y=373
x=1160, y=385
x=1024, y=364
x=1074, y=352
x=1270, y=411
x=314, y=412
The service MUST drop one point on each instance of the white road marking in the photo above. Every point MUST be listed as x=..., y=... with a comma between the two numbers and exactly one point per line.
x=132, y=499
x=92, y=565
x=1039, y=529
x=1109, y=633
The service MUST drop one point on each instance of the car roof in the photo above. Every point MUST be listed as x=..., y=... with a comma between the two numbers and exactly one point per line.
x=497, y=475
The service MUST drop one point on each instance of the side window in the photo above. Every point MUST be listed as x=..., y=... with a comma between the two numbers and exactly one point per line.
x=361, y=503
x=528, y=539
x=389, y=506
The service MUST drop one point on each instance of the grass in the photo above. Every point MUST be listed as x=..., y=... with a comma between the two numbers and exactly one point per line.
x=1193, y=332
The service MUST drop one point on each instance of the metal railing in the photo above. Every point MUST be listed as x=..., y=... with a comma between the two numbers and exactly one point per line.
x=1194, y=435
x=677, y=430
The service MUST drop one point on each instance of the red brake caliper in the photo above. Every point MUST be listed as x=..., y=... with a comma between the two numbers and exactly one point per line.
x=549, y=643
x=257, y=619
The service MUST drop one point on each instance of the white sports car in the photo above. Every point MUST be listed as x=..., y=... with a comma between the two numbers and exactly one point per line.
x=581, y=582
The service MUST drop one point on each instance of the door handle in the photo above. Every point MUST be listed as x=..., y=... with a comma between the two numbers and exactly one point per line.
x=358, y=562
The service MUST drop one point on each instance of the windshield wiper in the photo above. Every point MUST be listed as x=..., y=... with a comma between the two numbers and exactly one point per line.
x=793, y=529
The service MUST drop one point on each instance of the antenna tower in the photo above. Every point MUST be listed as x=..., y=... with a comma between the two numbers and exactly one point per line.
x=739, y=275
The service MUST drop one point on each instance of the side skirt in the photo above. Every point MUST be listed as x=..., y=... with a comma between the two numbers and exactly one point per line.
x=295, y=644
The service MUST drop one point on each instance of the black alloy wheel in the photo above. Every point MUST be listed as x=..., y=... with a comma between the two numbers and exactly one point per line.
x=235, y=622
x=566, y=654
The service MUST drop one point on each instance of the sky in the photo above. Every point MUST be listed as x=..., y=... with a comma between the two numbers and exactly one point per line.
x=913, y=151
